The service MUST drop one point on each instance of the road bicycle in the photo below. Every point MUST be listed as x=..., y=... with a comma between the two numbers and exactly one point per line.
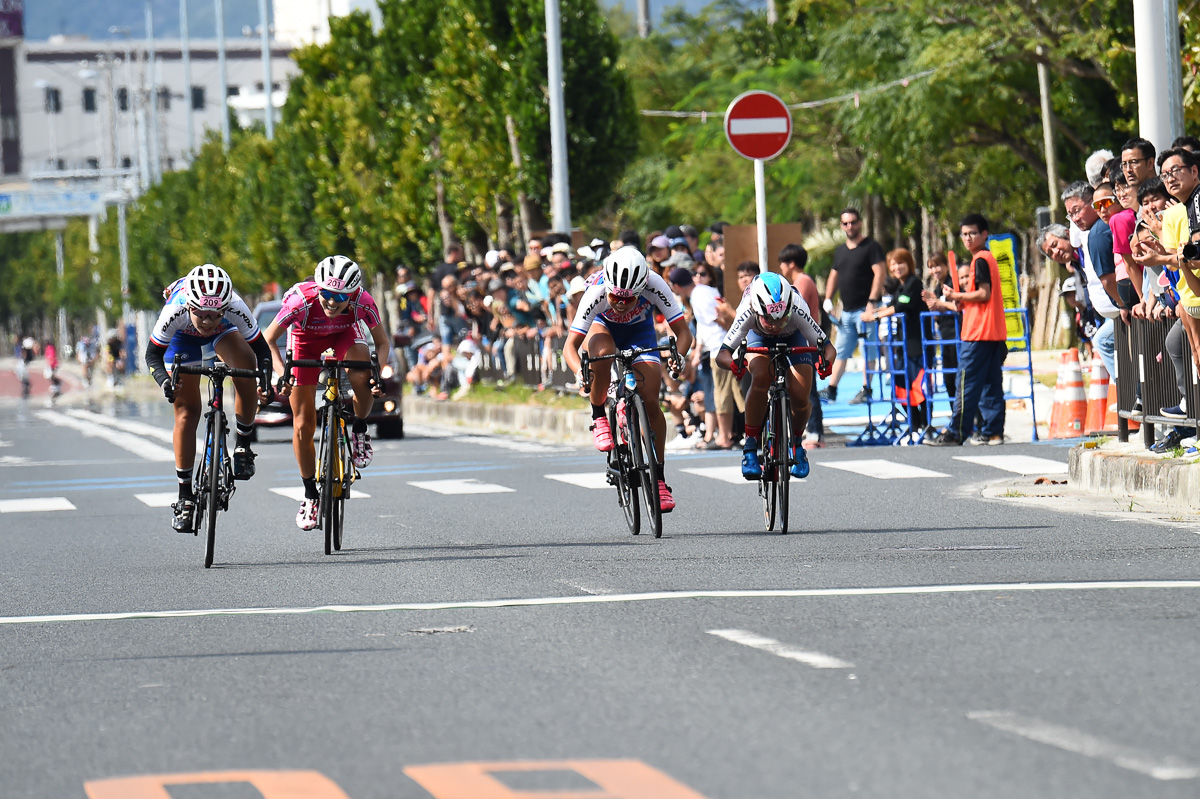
x=336, y=471
x=633, y=466
x=775, y=443
x=214, y=474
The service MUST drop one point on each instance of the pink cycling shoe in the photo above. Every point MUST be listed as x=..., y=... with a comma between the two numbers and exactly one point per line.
x=666, y=502
x=602, y=434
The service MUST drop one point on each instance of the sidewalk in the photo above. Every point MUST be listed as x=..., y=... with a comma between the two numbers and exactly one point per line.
x=74, y=392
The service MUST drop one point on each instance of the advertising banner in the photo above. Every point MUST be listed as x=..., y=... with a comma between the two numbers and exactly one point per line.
x=1004, y=247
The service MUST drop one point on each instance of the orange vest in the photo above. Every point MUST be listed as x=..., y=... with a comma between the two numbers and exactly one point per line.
x=984, y=321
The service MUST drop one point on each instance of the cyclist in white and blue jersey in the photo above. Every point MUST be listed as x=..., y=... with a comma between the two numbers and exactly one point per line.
x=773, y=312
x=618, y=313
x=203, y=310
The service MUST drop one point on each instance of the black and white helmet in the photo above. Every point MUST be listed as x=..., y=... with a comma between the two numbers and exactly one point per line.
x=626, y=270
x=338, y=273
x=208, y=288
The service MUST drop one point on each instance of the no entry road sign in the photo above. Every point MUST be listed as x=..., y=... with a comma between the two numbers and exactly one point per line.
x=758, y=125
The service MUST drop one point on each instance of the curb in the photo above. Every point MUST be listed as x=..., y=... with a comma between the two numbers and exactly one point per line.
x=554, y=424
x=1126, y=472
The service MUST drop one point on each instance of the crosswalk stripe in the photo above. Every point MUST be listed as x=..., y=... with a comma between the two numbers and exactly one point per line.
x=135, y=444
x=163, y=500
x=726, y=474
x=137, y=428
x=297, y=493
x=883, y=470
x=818, y=660
x=1020, y=464
x=35, y=505
x=582, y=479
x=468, y=486
x=514, y=444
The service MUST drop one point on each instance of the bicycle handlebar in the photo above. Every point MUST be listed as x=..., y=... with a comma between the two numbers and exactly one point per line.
x=329, y=362
x=586, y=360
x=220, y=369
x=779, y=348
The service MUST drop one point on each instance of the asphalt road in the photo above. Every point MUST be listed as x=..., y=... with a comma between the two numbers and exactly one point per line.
x=909, y=639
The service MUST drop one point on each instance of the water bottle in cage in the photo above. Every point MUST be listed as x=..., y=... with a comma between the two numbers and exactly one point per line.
x=622, y=422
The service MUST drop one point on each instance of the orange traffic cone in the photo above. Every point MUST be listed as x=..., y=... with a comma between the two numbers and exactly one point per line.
x=1097, y=398
x=1070, y=405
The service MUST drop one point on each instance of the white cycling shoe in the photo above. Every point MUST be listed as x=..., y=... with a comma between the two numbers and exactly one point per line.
x=361, y=450
x=310, y=511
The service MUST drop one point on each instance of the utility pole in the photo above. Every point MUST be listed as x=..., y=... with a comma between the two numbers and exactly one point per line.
x=1159, y=71
x=186, y=53
x=155, y=156
x=264, y=23
x=560, y=193
x=62, y=312
x=223, y=89
x=123, y=249
x=1043, y=73
x=643, y=18
x=772, y=14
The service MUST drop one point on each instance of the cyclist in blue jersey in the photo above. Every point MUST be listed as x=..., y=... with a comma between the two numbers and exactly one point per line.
x=617, y=312
x=773, y=312
x=202, y=310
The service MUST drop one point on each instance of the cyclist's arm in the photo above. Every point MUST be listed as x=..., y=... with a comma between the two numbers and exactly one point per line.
x=155, y=362
x=382, y=345
x=271, y=336
x=725, y=358
x=683, y=336
x=571, y=350
x=262, y=355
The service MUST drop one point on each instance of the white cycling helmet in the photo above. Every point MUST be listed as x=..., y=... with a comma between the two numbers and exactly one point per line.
x=771, y=296
x=338, y=273
x=208, y=288
x=626, y=270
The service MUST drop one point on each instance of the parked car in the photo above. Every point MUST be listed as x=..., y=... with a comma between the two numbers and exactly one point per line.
x=387, y=413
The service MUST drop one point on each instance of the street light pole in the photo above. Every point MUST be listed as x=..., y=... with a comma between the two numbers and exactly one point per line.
x=186, y=54
x=264, y=24
x=223, y=89
x=155, y=155
x=1159, y=71
x=1043, y=73
x=560, y=193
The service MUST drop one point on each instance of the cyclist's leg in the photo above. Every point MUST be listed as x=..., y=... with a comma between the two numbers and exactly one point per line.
x=800, y=380
x=360, y=380
x=235, y=352
x=599, y=343
x=303, y=400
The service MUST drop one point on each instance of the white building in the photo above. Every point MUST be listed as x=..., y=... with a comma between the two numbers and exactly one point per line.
x=300, y=22
x=82, y=105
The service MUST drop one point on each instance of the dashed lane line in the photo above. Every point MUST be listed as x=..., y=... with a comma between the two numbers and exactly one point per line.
x=818, y=660
x=297, y=493
x=582, y=479
x=784, y=593
x=126, y=441
x=35, y=505
x=1081, y=743
x=726, y=474
x=126, y=425
x=467, y=486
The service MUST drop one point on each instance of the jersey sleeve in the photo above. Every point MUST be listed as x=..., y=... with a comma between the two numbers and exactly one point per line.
x=743, y=321
x=243, y=320
x=592, y=305
x=293, y=308
x=365, y=310
x=659, y=293
x=169, y=321
x=802, y=320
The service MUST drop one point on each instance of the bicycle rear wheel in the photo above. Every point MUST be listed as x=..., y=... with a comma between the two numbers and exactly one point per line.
x=645, y=462
x=783, y=448
x=766, y=483
x=213, y=465
x=618, y=463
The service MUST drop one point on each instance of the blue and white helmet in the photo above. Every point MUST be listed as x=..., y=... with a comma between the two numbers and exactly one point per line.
x=771, y=296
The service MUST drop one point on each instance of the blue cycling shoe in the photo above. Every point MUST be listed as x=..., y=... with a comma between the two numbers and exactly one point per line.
x=799, y=462
x=751, y=468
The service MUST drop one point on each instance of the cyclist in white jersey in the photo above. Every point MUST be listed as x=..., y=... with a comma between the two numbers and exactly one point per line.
x=618, y=313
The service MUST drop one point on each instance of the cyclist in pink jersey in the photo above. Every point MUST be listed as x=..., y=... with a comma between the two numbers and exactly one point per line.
x=327, y=313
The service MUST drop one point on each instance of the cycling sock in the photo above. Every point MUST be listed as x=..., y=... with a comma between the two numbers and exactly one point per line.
x=753, y=432
x=244, y=431
x=598, y=412
x=310, y=488
x=360, y=425
x=184, y=476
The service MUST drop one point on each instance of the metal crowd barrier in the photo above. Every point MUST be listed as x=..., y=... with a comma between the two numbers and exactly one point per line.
x=1142, y=353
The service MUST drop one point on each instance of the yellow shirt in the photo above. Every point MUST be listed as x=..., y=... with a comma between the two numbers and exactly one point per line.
x=1175, y=233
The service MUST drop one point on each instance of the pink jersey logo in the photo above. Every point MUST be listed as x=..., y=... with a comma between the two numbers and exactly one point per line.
x=776, y=308
x=334, y=283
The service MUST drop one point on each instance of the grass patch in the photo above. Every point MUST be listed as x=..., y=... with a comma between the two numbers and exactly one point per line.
x=1012, y=493
x=522, y=394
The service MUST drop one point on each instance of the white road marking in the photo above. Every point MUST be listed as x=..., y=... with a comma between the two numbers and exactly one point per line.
x=164, y=500
x=582, y=479
x=1081, y=743
x=817, y=660
x=12, y=460
x=297, y=493
x=585, y=589
x=428, y=432
x=1019, y=464
x=129, y=426
x=767, y=593
x=883, y=470
x=726, y=474
x=35, y=505
x=135, y=444
x=468, y=486
x=514, y=444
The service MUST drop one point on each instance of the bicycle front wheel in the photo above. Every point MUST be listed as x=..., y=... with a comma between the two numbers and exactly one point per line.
x=619, y=464
x=213, y=466
x=783, y=447
x=766, y=459
x=341, y=488
x=646, y=463
x=329, y=474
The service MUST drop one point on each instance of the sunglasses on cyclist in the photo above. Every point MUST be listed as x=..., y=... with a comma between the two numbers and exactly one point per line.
x=1103, y=203
x=207, y=316
x=621, y=298
x=335, y=296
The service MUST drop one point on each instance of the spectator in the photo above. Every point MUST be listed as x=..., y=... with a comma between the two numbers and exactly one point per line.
x=945, y=326
x=1054, y=241
x=452, y=317
x=1090, y=233
x=792, y=260
x=714, y=254
x=1181, y=176
x=746, y=272
x=1096, y=165
x=1152, y=200
x=427, y=370
x=719, y=385
x=1121, y=221
x=658, y=253
x=907, y=303
x=858, y=273
x=1137, y=161
x=1189, y=143
x=454, y=257
x=630, y=238
x=984, y=344
x=693, y=240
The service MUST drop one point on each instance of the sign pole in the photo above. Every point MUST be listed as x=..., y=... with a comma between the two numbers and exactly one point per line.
x=760, y=211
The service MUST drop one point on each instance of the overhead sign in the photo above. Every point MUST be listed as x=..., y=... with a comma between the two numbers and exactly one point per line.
x=17, y=204
x=758, y=125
